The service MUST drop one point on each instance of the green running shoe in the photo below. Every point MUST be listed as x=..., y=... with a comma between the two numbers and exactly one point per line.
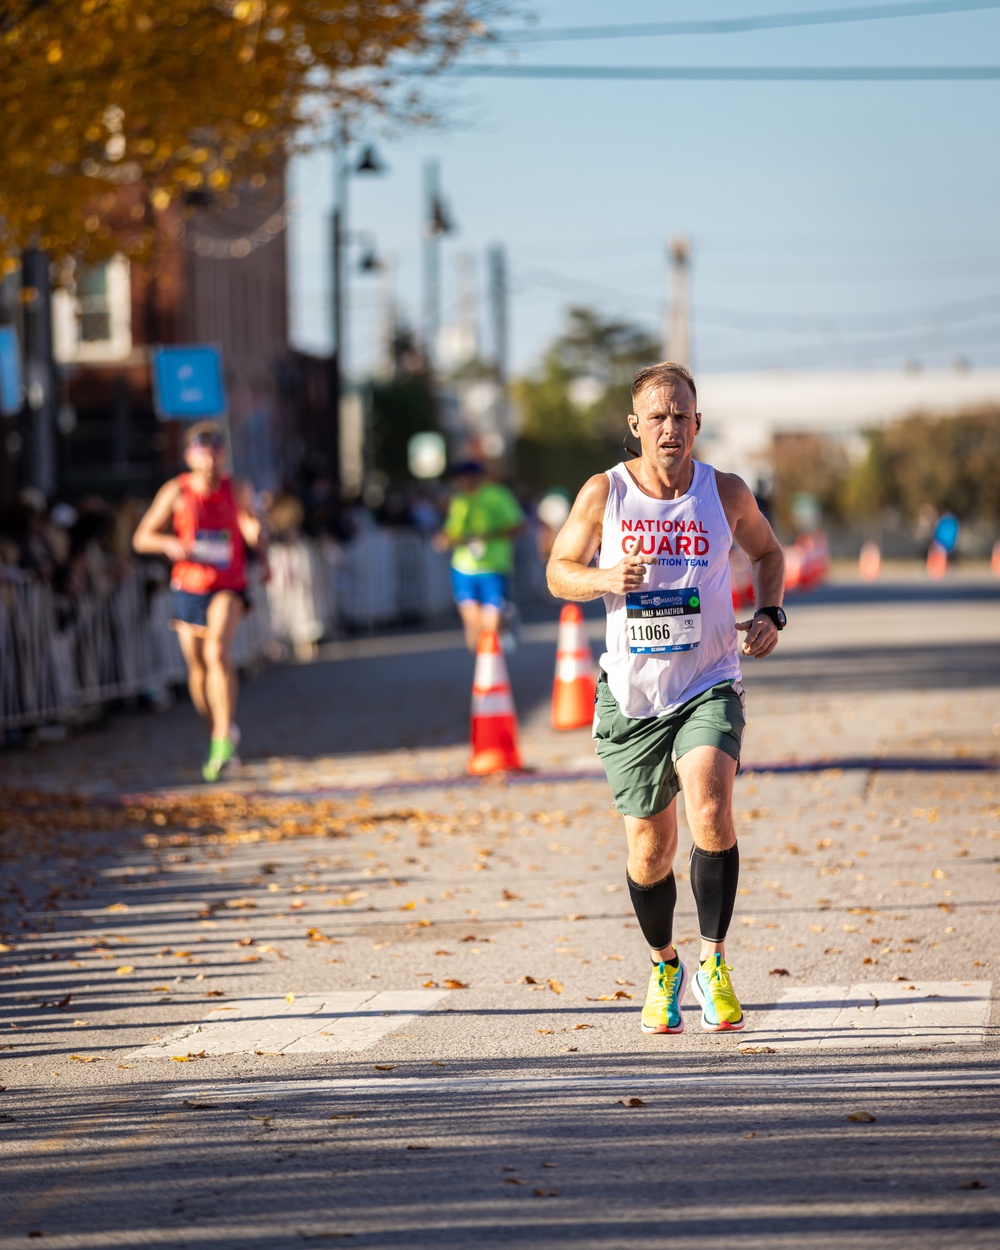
x=221, y=753
x=662, y=1012
x=714, y=990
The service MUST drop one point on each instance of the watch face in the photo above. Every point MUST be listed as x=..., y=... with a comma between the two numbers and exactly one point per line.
x=782, y=618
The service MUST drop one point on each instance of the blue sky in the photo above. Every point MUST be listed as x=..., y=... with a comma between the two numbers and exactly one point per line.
x=833, y=224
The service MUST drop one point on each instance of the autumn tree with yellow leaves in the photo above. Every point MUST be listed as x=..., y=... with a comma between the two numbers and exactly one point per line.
x=103, y=98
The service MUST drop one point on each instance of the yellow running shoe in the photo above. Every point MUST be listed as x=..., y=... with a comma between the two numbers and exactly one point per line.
x=662, y=1012
x=714, y=990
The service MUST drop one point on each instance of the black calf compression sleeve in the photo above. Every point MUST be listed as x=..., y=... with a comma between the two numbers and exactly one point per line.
x=714, y=878
x=654, y=909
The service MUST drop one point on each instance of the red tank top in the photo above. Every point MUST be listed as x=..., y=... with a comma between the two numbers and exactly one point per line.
x=207, y=525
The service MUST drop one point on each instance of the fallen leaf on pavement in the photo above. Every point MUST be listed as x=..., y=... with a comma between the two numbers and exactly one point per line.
x=971, y=1185
x=546, y=1193
x=412, y=1147
x=511, y=894
x=125, y=969
x=583, y=1026
x=521, y=980
x=289, y=998
x=456, y=985
x=545, y=1030
x=631, y=1102
x=85, y=1058
x=861, y=1117
x=555, y=986
x=383, y=1067
x=194, y=1105
x=780, y=972
x=757, y=1050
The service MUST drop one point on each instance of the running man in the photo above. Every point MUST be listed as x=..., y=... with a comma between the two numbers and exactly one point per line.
x=670, y=707
x=479, y=530
x=203, y=522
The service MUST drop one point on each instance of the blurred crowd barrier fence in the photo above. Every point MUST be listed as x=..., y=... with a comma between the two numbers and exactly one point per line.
x=60, y=656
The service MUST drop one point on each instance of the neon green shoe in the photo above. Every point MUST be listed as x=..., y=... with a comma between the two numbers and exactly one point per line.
x=221, y=753
x=714, y=990
x=662, y=1012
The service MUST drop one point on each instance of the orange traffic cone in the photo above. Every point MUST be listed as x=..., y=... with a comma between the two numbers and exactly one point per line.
x=494, y=722
x=575, y=685
x=869, y=562
x=995, y=559
x=937, y=561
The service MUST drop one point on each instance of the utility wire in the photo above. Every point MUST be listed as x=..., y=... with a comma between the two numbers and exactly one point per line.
x=911, y=320
x=730, y=73
x=737, y=25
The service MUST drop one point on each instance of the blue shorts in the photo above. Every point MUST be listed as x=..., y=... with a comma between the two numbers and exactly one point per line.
x=187, y=608
x=489, y=589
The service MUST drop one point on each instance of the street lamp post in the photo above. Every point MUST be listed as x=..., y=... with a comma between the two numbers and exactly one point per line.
x=437, y=222
x=368, y=163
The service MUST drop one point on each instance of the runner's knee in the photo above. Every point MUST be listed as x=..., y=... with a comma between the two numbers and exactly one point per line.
x=216, y=653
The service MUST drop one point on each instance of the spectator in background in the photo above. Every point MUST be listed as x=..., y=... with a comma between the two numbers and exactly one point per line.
x=479, y=530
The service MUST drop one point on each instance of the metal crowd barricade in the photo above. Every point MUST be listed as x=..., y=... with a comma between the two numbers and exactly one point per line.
x=59, y=656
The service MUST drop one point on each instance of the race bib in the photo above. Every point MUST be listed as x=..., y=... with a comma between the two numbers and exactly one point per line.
x=663, y=620
x=214, y=547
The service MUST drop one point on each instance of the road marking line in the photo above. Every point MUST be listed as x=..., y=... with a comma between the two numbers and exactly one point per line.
x=875, y=1014
x=681, y=1083
x=345, y=1020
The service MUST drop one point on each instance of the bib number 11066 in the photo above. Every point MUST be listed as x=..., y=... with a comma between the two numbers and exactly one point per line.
x=663, y=620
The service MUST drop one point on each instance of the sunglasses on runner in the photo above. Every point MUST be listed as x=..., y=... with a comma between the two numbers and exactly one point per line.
x=214, y=442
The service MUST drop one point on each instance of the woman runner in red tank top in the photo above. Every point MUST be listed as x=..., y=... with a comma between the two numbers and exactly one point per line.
x=208, y=526
x=203, y=522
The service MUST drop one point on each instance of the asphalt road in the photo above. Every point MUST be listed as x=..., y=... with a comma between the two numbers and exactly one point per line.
x=355, y=996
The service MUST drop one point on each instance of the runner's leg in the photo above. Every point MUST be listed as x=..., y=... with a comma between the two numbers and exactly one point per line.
x=469, y=611
x=707, y=775
x=652, y=845
x=224, y=615
x=192, y=643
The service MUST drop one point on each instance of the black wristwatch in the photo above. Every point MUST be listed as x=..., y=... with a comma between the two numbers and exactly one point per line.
x=776, y=614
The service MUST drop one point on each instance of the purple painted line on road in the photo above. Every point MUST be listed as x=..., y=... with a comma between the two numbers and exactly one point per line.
x=527, y=777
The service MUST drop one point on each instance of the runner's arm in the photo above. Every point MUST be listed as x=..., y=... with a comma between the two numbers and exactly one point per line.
x=752, y=532
x=247, y=519
x=152, y=535
x=570, y=573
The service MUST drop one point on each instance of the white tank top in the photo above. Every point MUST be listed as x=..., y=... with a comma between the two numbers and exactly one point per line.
x=676, y=637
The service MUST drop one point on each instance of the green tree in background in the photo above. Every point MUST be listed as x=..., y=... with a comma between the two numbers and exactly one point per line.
x=808, y=463
x=573, y=409
x=949, y=463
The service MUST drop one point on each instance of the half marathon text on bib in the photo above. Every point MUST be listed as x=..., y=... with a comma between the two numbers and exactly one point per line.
x=663, y=620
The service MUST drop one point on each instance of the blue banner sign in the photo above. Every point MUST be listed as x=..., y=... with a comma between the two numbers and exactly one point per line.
x=187, y=383
x=11, y=379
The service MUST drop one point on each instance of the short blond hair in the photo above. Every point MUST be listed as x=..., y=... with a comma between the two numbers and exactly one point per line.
x=665, y=371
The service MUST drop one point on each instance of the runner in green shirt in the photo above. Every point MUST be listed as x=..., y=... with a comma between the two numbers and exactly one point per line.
x=479, y=530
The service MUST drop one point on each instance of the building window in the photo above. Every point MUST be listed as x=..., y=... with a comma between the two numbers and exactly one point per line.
x=95, y=305
x=93, y=322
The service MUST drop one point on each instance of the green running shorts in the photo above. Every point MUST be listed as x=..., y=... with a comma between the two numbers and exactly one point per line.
x=639, y=756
